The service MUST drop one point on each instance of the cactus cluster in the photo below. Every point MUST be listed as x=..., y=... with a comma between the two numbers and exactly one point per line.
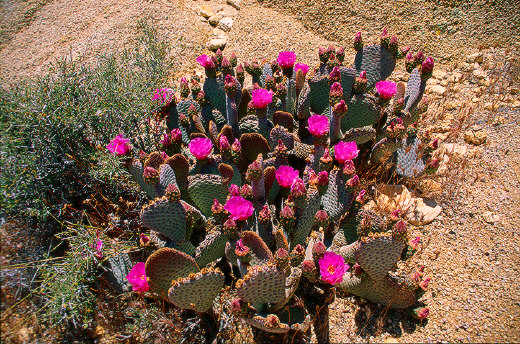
x=265, y=184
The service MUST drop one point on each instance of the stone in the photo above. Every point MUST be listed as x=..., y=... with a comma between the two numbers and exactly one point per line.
x=235, y=3
x=479, y=73
x=454, y=148
x=475, y=136
x=466, y=67
x=217, y=43
x=490, y=218
x=438, y=89
x=417, y=211
x=475, y=58
x=451, y=105
x=225, y=24
x=455, y=77
x=513, y=90
x=215, y=19
x=206, y=11
x=516, y=104
x=218, y=33
x=429, y=186
x=439, y=74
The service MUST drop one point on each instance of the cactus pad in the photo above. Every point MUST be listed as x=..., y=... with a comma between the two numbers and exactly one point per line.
x=337, y=200
x=378, y=254
x=359, y=135
x=165, y=217
x=135, y=167
x=409, y=162
x=253, y=144
x=181, y=168
x=384, y=149
x=211, y=248
x=197, y=291
x=362, y=110
x=261, y=252
x=165, y=265
x=204, y=188
x=319, y=93
x=414, y=91
x=281, y=133
x=263, y=283
x=377, y=61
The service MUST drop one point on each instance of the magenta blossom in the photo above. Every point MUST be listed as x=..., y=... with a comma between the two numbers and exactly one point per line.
x=286, y=59
x=261, y=98
x=332, y=268
x=239, y=208
x=137, y=278
x=99, y=249
x=234, y=190
x=163, y=94
x=285, y=175
x=200, y=147
x=386, y=89
x=302, y=66
x=318, y=125
x=345, y=151
x=204, y=60
x=119, y=145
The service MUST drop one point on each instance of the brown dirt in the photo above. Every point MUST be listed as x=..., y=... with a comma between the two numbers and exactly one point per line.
x=472, y=255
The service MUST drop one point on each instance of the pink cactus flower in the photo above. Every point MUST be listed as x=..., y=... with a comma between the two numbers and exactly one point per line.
x=301, y=66
x=423, y=313
x=354, y=181
x=318, y=125
x=386, y=89
x=323, y=178
x=137, y=278
x=424, y=284
x=204, y=60
x=144, y=239
x=224, y=143
x=286, y=59
x=285, y=175
x=298, y=188
x=344, y=151
x=332, y=268
x=176, y=135
x=200, y=147
x=240, y=248
x=99, y=249
x=164, y=94
x=261, y=98
x=217, y=207
x=119, y=146
x=239, y=208
x=236, y=146
x=414, y=243
x=361, y=196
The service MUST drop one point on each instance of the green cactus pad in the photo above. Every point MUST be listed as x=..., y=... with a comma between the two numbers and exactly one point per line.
x=377, y=61
x=197, y=291
x=348, y=252
x=389, y=291
x=291, y=284
x=304, y=103
x=252, y=145
x=185, y=247
x=204, y=188
x=337, y=200
x=211, y=248
x=181, y=168
x=384, y=149
x=414, y=91
x=266, y=71
x=348, y=77
x=214, y=92
x=363, y=110
x=165, y=217
x=262, y=284
x=281, y=240
x=378, y=254
x=213, y=133
x=319, y=93
x=165, y=265
x=359, y=135
x=409, y=162
x=281, y=133
x=302, y=150
x=260, y=322
x=230, y=252
x=261, y=253
x=135, y=168
x=166, y=177
x=305, y=217
x=184, y=105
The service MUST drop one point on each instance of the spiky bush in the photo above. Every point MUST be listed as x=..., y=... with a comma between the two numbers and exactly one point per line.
x=261, y=189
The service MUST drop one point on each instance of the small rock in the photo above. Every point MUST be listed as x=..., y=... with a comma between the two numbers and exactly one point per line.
x=466, y=67
x=439, y=74
x=206, y=11
x=218, y=33
x=490, y=218
x=516, y=104
x=438, y=89
x=451, y=105
x=475, y=136
x=513, y=90
x=217, y=43
x=235, y=3
x=390, y=340
x=225, y=24
x=475, y=58
x=453, y=148
x=455, y=77
x=479, y=74
x=490, y=106
x=214, y=20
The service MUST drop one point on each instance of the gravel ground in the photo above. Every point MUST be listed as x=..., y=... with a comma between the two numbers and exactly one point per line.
x=473, y=247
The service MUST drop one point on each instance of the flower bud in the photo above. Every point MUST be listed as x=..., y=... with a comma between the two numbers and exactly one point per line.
x=172, y=193
x=151, y=176
x=358, y=41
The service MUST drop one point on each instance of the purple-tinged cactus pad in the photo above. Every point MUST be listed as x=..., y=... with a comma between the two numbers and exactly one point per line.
x=378, y=62
x=165, y=265
x=362, y=110
x=165, y=217
x=211, y=248
x=414, y=90
x=262, y=284
x=261, y=252
x=254, y=144
x=181, y=168
x=204, y=188
x=135, y=167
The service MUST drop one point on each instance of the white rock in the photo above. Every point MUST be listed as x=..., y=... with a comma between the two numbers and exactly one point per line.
x=206, y=11
x=454, y=148
x=438, y=89
x=218, y=33
x=455, y=77
x=235, y=3
x=214, y=20
x=217, y=43
x=479, y=73
x=490, y=218
x=225, y=24
x=439, y=74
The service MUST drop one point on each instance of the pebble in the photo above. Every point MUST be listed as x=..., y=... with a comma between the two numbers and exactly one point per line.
x=235, y=3
x=218, y=33
x=438, y=89
x=479, y=73
x=206, y=11
x=475, y=136
x=215, y=19
x=490, y=218
x=455, y=77
x=476, y=57
x=217, y=43
x=225, y=24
